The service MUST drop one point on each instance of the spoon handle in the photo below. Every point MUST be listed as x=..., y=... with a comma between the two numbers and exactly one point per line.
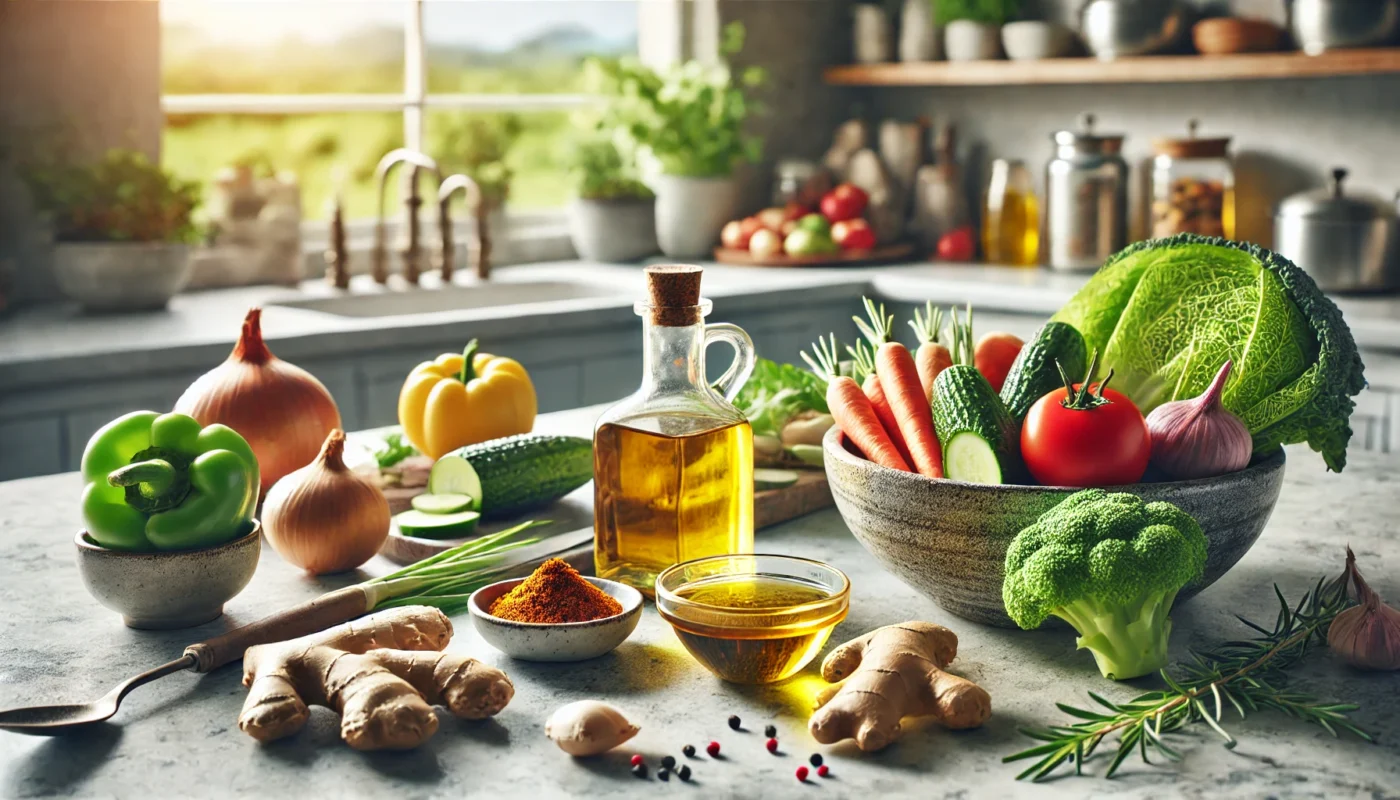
x=124, y=688
x=332, y=608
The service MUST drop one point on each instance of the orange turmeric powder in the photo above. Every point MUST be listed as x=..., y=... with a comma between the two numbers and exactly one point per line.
x=554, y=593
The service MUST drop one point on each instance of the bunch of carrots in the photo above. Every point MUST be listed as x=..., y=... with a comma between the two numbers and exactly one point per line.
x=885, y=405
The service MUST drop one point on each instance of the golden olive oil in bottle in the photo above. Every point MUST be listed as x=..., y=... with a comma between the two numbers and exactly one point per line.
x=673, y=463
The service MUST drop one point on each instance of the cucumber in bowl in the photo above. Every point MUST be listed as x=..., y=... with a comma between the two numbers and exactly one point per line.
x=981, y=440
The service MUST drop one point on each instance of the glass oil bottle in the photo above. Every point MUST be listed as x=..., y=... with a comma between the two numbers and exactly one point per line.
x=673, y=463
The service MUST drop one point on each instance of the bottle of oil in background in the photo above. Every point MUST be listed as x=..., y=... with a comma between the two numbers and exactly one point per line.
x=673, y=463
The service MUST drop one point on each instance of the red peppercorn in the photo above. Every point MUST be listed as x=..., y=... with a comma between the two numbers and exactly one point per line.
x=823, y=770
x=802, y=774
x=713, y=749
x=772, y=745
x=636, y=759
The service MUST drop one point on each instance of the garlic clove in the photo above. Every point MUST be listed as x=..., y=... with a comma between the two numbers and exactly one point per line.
x=1199, y=438
x=588, y=727
x=1367, y=636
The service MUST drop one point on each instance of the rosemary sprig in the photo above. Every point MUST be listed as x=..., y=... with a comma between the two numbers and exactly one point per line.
x=1248, y=675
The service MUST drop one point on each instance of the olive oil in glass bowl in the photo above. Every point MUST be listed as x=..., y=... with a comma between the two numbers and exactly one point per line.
x=753, y=618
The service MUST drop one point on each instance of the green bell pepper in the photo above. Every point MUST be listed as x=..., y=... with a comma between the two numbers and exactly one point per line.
x=162, y=482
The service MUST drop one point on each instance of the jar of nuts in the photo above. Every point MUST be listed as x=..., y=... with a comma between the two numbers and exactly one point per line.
x=1193, y=186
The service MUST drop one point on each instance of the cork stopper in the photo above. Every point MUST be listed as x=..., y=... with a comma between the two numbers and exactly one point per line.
x=674, y=292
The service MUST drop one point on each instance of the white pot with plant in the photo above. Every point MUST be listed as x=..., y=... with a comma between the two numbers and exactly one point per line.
x=689, y=121
x=613, y=218
x=122, y=228
x=972, y=28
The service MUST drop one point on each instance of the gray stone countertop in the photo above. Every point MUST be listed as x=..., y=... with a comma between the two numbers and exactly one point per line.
x=57, y=343
x=178, y=738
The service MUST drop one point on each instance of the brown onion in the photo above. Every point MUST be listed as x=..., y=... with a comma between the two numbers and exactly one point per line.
x=1199, y=438
x=280, y=408
x=325, y=517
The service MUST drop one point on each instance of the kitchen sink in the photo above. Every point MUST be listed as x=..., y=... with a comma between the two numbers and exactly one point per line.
x=394, y=303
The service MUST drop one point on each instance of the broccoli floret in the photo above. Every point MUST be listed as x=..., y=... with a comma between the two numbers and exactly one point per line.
x=1111, y=566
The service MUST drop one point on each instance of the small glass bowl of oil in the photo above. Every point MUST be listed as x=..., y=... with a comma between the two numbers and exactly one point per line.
x=753, y=618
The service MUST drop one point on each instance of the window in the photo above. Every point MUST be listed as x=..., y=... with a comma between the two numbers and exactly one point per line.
x=323, y=88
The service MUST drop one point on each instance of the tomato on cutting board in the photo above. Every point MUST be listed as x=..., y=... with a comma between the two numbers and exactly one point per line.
x=1085, y=435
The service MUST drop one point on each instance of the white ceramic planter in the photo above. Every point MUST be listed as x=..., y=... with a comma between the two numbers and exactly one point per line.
x=965, y=40
x=690, y=213
x=613, y=230
x=121, y=276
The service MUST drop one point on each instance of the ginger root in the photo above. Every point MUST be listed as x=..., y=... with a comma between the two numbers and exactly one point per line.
x=891, y=673
x=383, y=673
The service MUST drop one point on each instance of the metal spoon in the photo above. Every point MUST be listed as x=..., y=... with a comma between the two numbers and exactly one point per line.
x=53, y=720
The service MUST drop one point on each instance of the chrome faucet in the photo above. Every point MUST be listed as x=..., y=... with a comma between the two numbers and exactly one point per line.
x=379, y=259
x=446, y=190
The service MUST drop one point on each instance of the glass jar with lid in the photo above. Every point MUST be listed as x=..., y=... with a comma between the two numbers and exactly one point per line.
x=1193, y=186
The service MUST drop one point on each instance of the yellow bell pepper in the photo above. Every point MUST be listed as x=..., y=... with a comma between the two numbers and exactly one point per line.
x=457, y=400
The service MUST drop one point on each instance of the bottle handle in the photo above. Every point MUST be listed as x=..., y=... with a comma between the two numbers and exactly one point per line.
x=738, y=373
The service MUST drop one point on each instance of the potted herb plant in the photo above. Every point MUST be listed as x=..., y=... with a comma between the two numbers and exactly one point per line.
x=689, y=120
x=972, y=28
x=613, y=218
x=121, y=226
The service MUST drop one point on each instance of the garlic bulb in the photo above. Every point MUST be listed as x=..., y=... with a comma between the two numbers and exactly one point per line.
x=325, y=517
x=588, y=727
x=1367, y=636
x=1199, y=438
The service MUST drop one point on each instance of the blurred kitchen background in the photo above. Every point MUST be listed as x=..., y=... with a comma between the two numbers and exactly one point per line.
x=236, y=152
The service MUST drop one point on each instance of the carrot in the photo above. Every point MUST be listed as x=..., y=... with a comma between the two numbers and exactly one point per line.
x=856, y=417
x=864, y=360
x=995, y=353
x=899, y=378
x=932, y=357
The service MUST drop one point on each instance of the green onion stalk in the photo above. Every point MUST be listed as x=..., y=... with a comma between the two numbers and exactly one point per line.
x=447, y=579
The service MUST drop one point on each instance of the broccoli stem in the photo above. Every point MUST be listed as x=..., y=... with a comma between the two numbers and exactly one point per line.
x=1128, y=640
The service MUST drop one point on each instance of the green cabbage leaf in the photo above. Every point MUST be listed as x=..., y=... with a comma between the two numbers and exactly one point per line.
x=1166, y=313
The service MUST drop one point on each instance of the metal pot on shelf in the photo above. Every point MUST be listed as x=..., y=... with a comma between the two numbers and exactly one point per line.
x=1116, y=28
x=1322, y=25
x=1086, y=199
x=1347, y=241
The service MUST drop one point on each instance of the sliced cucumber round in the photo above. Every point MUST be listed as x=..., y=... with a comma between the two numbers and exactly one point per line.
x=773, y=478
x=968, y=457
x=449, y=503
x=808, y=454
x=455, y=475
x=437, y=526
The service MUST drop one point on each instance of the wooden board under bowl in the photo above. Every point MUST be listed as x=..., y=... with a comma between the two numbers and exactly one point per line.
x=878, y=255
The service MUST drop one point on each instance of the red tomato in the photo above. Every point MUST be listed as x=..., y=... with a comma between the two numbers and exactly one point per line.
x=846, y=201
x=795, y=210
x=957, y=245
x=853, y=234
x=1099, y=439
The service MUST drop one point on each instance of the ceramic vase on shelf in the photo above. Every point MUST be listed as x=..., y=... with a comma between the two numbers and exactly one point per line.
x=622, y=229
x=872, y=35
x=690, y=212
x=965, y=40
x=919, y=38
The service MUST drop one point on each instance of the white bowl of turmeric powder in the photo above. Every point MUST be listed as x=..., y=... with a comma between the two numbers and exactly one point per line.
x=555, y=614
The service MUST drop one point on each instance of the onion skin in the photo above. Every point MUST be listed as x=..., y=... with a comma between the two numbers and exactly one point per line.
x=325, y=517
x=1199, y=438
x=280, y=408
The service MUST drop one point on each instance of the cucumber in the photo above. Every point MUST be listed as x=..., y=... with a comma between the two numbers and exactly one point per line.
x=808, y=454
x=773, y=478
x=1034, y=374
x=981, y=440
x=521, y=472
x=444, y=503
x=455, y=476
x=437, y=526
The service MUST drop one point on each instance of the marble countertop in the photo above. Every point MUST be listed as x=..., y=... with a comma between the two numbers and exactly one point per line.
x=178, y=737
x=57, y=343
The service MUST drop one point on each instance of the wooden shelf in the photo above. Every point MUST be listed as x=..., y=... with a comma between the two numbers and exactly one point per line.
x=1142, y=69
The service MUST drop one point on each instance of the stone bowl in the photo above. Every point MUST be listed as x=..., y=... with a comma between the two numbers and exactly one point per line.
x=167, y=589
x=121, y=276
x=948, y=538
x=561, y=641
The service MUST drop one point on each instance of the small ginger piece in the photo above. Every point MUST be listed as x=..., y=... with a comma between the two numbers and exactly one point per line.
x=383, y=673
x=891, y=673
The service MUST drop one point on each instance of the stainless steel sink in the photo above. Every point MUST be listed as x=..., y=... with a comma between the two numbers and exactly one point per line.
x=393, y=303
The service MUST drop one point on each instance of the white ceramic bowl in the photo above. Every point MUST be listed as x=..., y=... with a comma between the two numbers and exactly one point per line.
x=1033, y=40
x=564, y=641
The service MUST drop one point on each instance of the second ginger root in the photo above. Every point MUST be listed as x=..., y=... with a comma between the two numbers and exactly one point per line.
x=383, y=673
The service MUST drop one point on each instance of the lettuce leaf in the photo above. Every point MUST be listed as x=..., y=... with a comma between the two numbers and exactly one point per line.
x=1166, y=313
x=775, y=393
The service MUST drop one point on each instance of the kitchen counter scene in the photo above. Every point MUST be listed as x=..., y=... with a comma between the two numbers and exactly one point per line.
x=178, y=735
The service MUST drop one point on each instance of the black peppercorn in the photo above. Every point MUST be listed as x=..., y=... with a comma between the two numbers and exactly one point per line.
x=816, y=759
x=640, y=770
x=664, y=774
x=668, y=761
x=734, y=721
x=689, y=751
x=684, y=773
x=771, y=731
